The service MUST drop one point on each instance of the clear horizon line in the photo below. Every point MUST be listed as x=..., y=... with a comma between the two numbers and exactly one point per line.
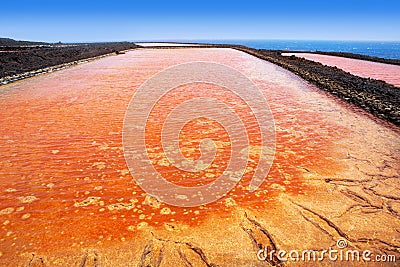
x=179, y=40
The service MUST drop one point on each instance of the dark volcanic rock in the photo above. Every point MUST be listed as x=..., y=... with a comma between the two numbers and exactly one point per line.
x=12, y=42
x=375, y=96
x=19, y=59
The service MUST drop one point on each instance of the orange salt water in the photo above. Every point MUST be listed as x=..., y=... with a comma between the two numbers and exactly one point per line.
x=64, y=180
x=368, y=69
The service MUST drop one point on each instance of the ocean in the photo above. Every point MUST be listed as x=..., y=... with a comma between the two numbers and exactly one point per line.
x=371, y=48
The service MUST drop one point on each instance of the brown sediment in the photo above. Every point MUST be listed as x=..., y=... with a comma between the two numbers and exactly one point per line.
x=62, y=163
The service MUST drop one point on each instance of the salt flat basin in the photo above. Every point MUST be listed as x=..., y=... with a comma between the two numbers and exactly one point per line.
x=150, y=44
x=363, y=68
x=68, y=199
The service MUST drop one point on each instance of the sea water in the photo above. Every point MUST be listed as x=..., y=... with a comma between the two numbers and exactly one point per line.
x=383, y=49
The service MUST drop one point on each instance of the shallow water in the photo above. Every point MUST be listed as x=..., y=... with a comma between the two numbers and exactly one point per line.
x=379, y=71
x=64, y=179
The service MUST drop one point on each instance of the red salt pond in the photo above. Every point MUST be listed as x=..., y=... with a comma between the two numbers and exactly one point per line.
x=363, y=68
x=64, y=181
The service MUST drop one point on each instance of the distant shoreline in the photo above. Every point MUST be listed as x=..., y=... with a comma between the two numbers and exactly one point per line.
x=381, y=49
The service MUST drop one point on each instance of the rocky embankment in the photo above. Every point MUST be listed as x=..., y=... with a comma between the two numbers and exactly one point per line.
x=21, y=60
x=375, y=96
x=357, y=56
x=349, y=55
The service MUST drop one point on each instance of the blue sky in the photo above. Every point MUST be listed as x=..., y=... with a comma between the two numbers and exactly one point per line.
x=79, y=21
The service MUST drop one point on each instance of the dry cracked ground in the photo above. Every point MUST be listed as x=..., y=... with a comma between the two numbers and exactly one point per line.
x=68, y=200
